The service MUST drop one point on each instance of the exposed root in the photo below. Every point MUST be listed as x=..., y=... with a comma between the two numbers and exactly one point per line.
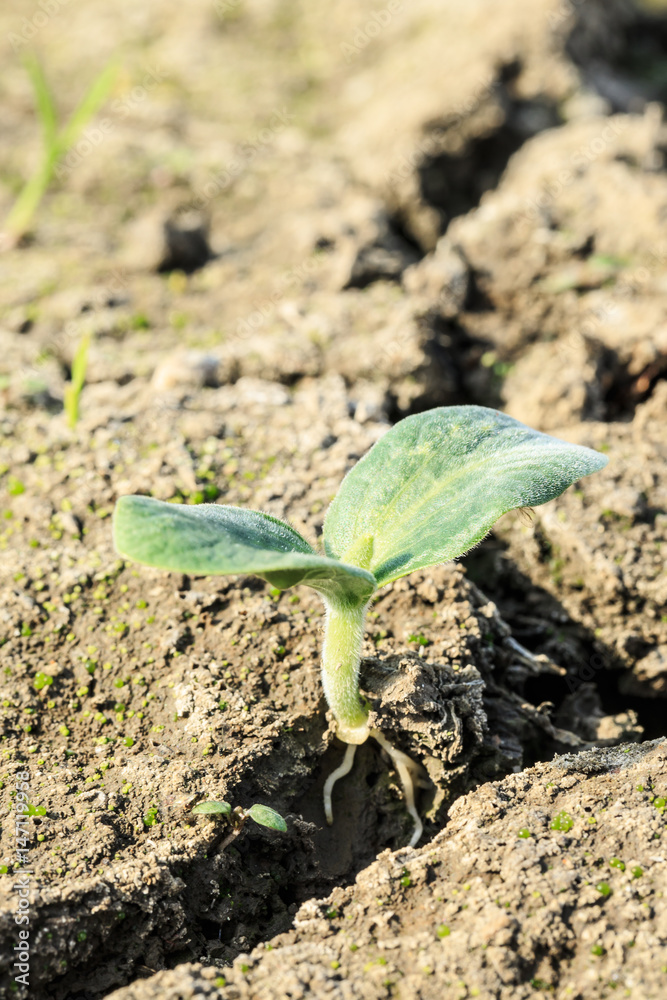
x=409, y=772
x=537, y=664
x=340, y=772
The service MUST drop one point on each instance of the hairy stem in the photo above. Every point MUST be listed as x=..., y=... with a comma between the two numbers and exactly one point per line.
x=341, y=654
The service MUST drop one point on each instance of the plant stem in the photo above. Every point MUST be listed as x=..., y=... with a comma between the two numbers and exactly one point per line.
x=230, y=837
x=341, y=654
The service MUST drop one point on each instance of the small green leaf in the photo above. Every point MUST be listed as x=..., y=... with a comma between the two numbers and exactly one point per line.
x=93, y=100
x=211, y=538
x=46, y=107
x=213, y=809
x=435, y=484
x=266, y=816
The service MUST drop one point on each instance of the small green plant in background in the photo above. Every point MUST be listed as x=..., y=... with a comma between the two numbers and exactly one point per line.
x=236, y=818
x=425, y=493
x=76, y=383
x=57, y=141
x=263, y=815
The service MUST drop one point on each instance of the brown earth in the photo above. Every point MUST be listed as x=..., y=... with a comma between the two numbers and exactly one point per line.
x=467, y=205
x=584, y=918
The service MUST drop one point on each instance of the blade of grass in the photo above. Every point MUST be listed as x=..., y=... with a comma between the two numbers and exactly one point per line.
x=56, y=143
x=25, y=206
x=73, y=390
x=92, y=102
x=46, y=108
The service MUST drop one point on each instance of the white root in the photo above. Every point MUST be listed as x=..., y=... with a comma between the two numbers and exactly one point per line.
x=340, y=772
x=408, y=771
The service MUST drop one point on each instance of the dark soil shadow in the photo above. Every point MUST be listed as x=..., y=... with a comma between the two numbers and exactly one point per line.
x=540, y=622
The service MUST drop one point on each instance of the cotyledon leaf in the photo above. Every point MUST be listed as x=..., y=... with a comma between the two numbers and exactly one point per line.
x=434, y=485
x=213, y=539
x=266, y=816
x=211, y=808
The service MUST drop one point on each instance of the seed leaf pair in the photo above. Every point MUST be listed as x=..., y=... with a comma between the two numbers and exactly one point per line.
x=427, y=491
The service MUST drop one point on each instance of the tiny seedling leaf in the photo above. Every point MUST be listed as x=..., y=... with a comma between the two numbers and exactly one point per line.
x=213, y=809
x=92, y=102
x=57, y=142
x=73, y=390
x=266, y=816
x=46, y=108
x=435, y=484
x=204, y=539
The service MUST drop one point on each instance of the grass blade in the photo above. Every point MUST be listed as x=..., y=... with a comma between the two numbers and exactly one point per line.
x=73, y=389
x=55, y=144
x=96, y=96
x=46, y=109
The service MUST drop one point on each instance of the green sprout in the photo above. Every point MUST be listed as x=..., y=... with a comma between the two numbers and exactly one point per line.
x=263, y=815
x=56, y=141
x=236, y=818
x=425, y=493
x=73, y=389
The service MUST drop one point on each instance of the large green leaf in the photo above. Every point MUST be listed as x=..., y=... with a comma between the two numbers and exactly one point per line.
x=436, y=482
x=208, y=538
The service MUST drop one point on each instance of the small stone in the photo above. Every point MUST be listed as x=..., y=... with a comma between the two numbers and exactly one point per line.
x=443, y=278
x=70, y=523
x=185, y=370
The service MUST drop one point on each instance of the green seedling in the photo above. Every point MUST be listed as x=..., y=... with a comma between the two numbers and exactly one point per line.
x=56, y=142
x=426, y=492
x=262, y=815
x=73, y=389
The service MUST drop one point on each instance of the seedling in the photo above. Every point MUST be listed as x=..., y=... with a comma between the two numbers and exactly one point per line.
x=56, y=142
x=262, y=815
x=73, y=390
x=426, y=492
